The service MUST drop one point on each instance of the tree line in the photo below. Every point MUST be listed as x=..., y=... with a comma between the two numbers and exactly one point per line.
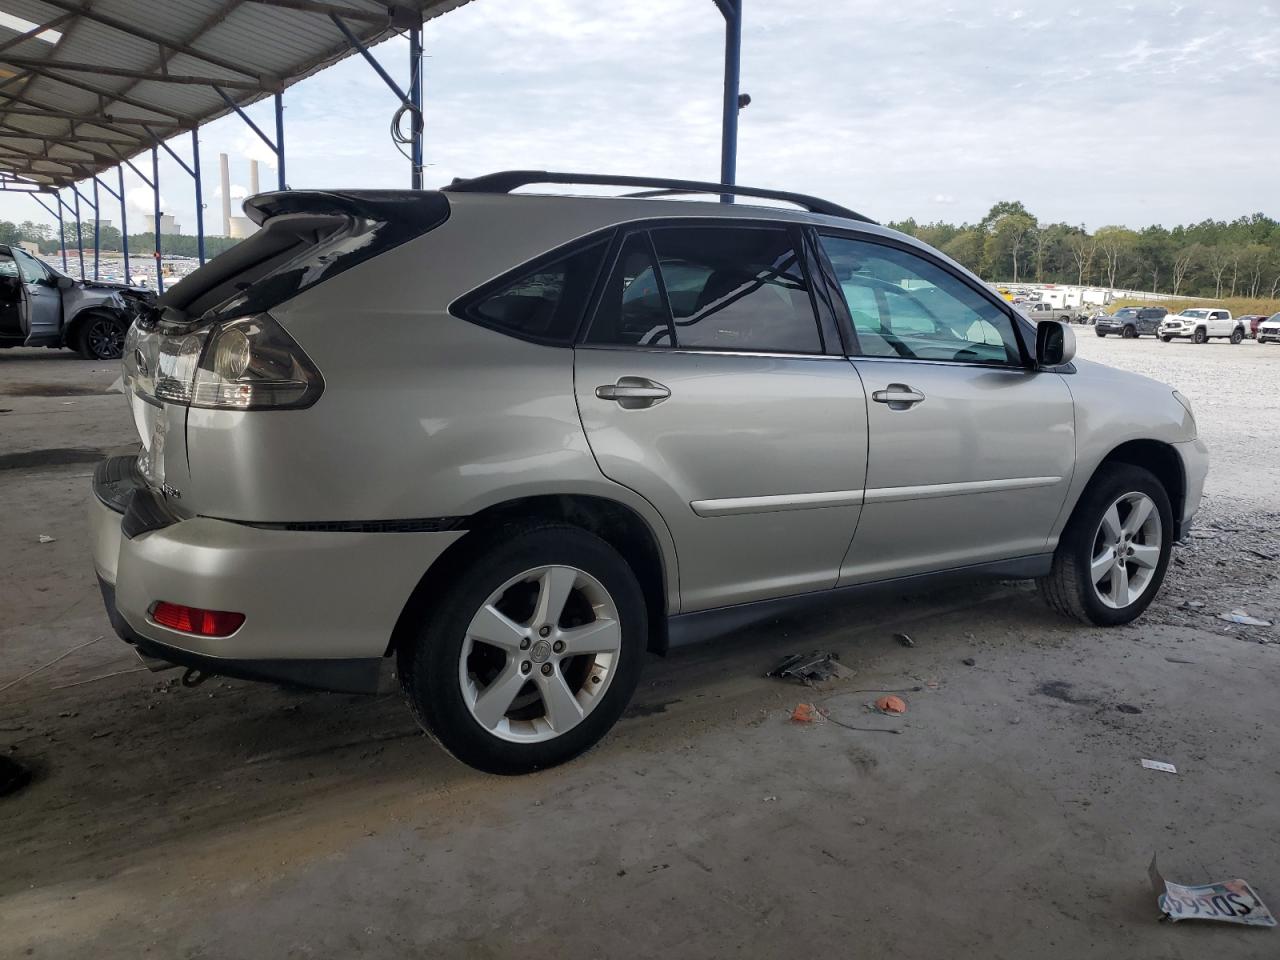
x=1213, y=258
x=141, y=245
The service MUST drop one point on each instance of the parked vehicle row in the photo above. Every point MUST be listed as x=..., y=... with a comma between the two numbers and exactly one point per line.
x=543, y=435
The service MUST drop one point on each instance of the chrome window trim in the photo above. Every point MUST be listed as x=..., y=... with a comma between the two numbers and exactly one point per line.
x=708, y=352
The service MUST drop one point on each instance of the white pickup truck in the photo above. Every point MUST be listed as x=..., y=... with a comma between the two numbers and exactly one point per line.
x=1200, y=324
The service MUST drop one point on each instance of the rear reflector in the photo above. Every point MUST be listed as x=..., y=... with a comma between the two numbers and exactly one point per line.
x=204, y=623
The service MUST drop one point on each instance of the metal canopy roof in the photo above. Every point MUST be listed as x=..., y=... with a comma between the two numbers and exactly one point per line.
x=124, y=74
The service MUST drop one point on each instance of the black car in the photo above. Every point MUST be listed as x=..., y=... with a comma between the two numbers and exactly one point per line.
x=1132, y=322
x=40, y=307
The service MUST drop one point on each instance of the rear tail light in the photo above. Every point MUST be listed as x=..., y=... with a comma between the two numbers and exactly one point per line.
x=247, y=363
x=203, y=623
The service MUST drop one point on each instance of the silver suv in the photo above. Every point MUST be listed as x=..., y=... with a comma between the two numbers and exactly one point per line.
x=514, y=441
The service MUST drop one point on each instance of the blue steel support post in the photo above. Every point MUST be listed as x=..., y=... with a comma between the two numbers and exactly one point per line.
x=415, y=97
x=195, y=173
x=124, y=228
x=155, y=189
x=79, y=237
x=62, y=231
x=280, y=141
x=97, y=228
x=732, y=11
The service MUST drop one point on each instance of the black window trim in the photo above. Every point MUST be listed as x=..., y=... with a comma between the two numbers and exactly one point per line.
x=846, y=321
x=464, y=307
x=795, y=231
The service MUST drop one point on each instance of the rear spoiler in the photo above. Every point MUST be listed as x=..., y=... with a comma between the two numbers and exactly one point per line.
x=410, y=206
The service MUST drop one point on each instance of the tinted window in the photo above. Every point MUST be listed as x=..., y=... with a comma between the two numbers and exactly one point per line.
x=905, y=306
x=632, y=310
x=545, y=303
x=717, y=288
x=32, y=270
x=8, y=268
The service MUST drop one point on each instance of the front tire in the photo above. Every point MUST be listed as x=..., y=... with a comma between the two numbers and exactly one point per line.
x=1129, y=333
x=1100, y=333
x=1165, y=339
x=101, y=337
x=1200, y=336
x=1112, y=556
x=531, y=652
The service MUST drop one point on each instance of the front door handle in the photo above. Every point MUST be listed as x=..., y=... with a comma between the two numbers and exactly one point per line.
x=898, y=396
x=633, y=393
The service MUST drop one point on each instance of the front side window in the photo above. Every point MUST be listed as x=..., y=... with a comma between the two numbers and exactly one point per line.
x=906, y=307
x=547, y=302
x=714, y=288
x=32, y=270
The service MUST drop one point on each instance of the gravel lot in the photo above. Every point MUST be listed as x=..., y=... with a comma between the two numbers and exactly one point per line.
x=1009, y=817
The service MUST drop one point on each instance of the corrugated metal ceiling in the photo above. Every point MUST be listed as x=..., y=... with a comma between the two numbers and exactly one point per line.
x=123, y=70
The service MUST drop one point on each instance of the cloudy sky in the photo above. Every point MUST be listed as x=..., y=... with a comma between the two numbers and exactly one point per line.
x=1089, y=112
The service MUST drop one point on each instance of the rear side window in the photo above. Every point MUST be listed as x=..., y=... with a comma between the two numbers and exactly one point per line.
x=546, y=302
x=709, y=288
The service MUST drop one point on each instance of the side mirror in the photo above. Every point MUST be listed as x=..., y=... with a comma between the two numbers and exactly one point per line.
x=64, y=283
x=1055, y=343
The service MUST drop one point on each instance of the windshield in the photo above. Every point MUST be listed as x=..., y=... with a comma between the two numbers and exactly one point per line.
x=1127, y=312
x=1195, y=314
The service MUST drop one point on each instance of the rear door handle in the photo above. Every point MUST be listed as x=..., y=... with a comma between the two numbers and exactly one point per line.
x=633, y=393
x=898, y=396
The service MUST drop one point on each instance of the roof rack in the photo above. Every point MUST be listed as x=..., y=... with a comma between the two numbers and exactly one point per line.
x=507, y=180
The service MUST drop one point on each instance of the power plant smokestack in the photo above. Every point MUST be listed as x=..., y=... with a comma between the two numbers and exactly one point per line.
x=253, y=177
x=225, y=169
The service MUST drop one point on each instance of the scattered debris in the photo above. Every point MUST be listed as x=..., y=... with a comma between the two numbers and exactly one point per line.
x=1192, y=605
x=1262, y=556
x=1179, y=660
x=13, y=776
x=1242, y=618
x=1160, y=765
x=1062, y=690
x=32, y=673
x=904, y=639
x=1128, y=708
x=969, y=661
x=808, y=668
x=45, y=538
x=859, y=821
x=891, y=704
x=771, y=799
x=812, y=713
x=1230, y=901
x=808, y=713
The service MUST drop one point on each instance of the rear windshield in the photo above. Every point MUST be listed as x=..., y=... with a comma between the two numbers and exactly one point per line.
x=306, y=239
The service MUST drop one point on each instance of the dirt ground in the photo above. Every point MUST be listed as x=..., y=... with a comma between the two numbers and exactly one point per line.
x=1007, y=816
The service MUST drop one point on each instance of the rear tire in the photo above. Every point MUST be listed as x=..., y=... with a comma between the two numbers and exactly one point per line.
x=100, y=336
x=1200, y=336
x=491, y=675
x=1237, y=335
x=1086, y=581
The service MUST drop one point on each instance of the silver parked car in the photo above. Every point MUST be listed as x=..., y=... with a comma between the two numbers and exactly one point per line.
x=515, y=441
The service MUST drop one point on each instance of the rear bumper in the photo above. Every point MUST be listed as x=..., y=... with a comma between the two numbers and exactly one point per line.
x=317, y=604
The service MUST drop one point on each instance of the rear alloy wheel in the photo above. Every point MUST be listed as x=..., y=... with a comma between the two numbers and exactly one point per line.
x=532, y=652
x=1237, y=335
x=1129, y=333
x=101, y=337
x=1112, y=556
x=1200, y=336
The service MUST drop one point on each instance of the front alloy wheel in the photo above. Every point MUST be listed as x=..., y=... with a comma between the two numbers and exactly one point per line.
x=102, y=338
x=1112, y=556
x=1126, y=550
x=1200, y=336
x=528, y=650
